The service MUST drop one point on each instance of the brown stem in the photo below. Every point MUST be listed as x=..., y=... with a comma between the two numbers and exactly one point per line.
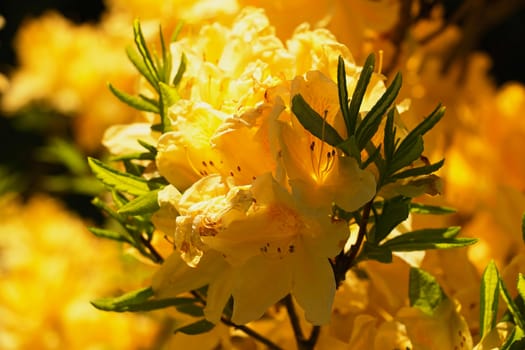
x=344, y=261
x=302, y=342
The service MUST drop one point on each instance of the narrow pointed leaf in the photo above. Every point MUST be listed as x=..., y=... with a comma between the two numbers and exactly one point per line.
x=438, y=238
x=168, y=97
x=373, y=252
x=120, y=303
x=180, y=70
x=519, y=319
x=418, y=208
x=118, y=180
x=108, y=234
x=136, y=102
x=138, y=62
x=371, y=121
x=191, y=309
x=139, y=300
x=199, y=327
x=359, y=93
x=425, y=293
x=314, y=123
x=395, y=211
x=142, y=46
x=389, y=135
x=515, y=340
x=145, y=204
x=422, y=170
x=406, y=154
x=343, y=95
x=489, y=296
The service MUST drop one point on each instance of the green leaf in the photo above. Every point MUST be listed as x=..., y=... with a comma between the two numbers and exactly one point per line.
x=343, y=96
x=368, y=127
x=424, y=291
x=489, y=296
x=440, y=238
x=180, y=70
x=314, y=123
x=122, y=302
x=422, y=170
x=145, y=204
x=140, y=43
x=168, y=97
x=515, y=340
x=389, y=136
x=191, y=309
x=395, y=211
x=134, y=156
x=349, y=147
x=198, y=327
x=138, y=301
x=118, y=180
x=137, y=102
x=359, y=93
x=373, y=252
x=152, y=149
x=418, y=208
x=108, y=234
x=65, y=153
x=140, y=65
x=521, y=286
x=411, y=146
x=176, y=32
x=511, y=305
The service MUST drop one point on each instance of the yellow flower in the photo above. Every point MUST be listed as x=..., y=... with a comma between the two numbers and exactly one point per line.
x=255, y=243
x=445, y=329
x=319, y=174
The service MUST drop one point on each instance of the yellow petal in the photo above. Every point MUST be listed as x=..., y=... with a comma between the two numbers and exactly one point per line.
x=259, y=284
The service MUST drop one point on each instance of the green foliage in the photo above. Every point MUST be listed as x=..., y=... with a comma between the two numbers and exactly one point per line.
x=197, y=327
x=425, y=293
x=489, y=298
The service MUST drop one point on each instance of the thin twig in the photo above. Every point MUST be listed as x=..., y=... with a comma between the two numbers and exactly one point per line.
x=344, y=261
x=302, y=342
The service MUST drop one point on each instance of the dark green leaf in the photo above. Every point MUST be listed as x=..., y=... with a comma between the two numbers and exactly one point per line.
x=191, y=309
x=199, y=327
x=373, y=252
x=418, y=208
x=395, y=211
x=440, y=238
x=152, y=149
x=389, y=135
x=406, y=153
x=137, y=102
x=489, y=296
x=121, y=303
x=425, y=293
x=370, y=124
x=349, y=147
x=108, y=234
x=314, y=123
x=145, y=204
x=411, y=146
x=343, y=96
x=515, y=340
x=138, y=301
x=134, y=156
x=180, y=70
x=518, y=317
x=118, y=180
x=422, y=170
x=359, y=93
